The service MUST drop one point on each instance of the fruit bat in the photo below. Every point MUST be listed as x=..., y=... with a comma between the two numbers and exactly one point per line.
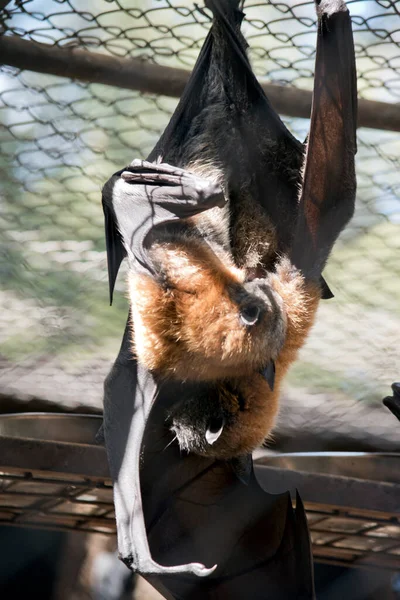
x=225, y=258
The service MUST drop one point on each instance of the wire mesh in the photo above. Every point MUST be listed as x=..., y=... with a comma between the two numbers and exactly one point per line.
x=70, y=502
x=60, y=141
x=56, y=501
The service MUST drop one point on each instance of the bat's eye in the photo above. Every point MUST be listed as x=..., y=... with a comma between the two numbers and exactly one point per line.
x=214, y=429
x=249, y=314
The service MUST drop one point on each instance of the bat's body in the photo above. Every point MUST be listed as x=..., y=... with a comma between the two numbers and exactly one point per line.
x=223, y=301
x=226, y=250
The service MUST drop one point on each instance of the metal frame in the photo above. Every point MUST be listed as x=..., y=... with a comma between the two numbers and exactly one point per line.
x=354, y=520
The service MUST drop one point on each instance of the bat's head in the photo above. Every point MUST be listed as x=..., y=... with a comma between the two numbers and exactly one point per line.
x=203, y=319
x=231, y=328
x=226, y=419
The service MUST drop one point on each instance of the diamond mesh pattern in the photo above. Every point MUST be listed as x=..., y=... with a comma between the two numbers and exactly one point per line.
x=61, y=139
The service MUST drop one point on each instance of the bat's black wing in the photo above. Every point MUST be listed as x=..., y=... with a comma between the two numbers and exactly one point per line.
x=130, y=392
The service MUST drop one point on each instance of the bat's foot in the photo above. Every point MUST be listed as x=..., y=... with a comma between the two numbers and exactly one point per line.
x=150, y=567
x=393, y=402
x=193, y=190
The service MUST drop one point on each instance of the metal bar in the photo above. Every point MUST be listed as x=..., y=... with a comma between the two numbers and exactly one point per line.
x=59, y=457
x=343, y=492
x=58, y=527
x=348, y=512
x=343, y=557
x=136, y=74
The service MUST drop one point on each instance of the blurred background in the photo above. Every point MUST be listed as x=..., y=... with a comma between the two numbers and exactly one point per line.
x=63, y=136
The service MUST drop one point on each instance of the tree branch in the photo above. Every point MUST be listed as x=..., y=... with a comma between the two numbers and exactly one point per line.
x=142, y=76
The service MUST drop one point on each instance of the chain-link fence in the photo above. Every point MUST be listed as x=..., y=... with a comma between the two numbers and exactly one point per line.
x=64, y=132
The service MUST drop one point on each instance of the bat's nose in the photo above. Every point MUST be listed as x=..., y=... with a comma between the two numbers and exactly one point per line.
x=250, y=314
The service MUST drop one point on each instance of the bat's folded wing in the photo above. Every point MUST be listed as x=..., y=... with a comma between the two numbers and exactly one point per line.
x=329, y=183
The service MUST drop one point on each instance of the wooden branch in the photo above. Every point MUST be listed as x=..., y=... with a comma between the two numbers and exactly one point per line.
x=128, y=73
x=142, y=76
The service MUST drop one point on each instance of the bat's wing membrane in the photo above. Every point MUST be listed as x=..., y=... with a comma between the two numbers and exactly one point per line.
x=130, y=392
x=253, y=140
x=329, y=184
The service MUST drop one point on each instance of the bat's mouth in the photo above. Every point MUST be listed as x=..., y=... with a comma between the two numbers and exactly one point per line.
x=215, y=427
x=199, y=421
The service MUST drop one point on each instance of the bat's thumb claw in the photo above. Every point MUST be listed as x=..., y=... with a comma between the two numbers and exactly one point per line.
x=194, y=568
x=149, y=567
x=202, y=571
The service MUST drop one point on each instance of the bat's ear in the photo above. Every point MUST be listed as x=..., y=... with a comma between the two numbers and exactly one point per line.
x=268, y=372
x=326, y=292
x=114, y=245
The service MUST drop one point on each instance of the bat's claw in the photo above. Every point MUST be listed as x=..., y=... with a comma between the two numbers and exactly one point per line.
x=198, y=569
x=151, y=567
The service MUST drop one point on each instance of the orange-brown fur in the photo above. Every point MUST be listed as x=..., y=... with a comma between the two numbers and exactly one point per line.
x=191, y=328
x=171, y=325
x=250, y=425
